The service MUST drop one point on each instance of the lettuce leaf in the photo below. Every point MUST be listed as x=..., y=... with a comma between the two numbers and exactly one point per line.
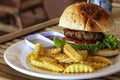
x=110, y=42
x=59, y=42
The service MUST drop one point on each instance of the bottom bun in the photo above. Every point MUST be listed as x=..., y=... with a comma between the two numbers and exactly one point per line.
x=107, y=52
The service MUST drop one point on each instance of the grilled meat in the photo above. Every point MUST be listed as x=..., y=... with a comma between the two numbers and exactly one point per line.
x=83, y=35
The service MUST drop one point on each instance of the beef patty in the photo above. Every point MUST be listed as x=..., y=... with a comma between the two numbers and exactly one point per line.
x=83, y=35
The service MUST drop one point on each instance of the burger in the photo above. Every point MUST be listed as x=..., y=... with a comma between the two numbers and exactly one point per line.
x=87, y=25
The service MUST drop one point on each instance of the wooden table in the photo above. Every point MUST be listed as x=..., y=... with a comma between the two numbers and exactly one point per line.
x=7, y=73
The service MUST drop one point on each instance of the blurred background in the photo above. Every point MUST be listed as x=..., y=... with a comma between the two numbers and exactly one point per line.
x=20, y=14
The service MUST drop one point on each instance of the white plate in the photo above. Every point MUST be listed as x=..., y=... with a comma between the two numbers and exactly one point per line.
x=15, y=57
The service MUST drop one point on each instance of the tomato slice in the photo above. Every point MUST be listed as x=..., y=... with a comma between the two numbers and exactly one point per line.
x=69, y=39
x=78, y=41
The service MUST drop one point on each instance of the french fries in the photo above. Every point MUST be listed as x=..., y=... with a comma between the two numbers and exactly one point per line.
x=76, y=68
x=72, y=53
x=100, y=59
x=67, y=61
x=63, y=58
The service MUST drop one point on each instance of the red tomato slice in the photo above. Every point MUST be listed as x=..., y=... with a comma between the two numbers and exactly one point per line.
x=65, y=38
x=78, y=41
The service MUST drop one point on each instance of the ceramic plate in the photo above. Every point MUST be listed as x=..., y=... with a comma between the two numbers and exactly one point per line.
x=15, y=57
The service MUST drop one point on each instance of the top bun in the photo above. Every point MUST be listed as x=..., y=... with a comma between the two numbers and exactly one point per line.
x=86, y=16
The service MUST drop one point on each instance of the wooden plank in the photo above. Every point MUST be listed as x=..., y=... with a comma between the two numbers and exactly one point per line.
x=55, y=28
x=2, y=61
x=9, y=43
x=4, y=46
x=3, y=78
x=15, y=75
x=7, y=28
x=10, y=76
x=16, y=40
x=2, y=50
x=28, y=30
x=118, y=73
x=1, y=55
x=113, y=77
x=115, y=4
x=103, y=78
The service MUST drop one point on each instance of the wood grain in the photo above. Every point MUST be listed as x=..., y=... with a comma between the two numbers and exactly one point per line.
x=12, y=74
x=115, y=4
x=28, y=30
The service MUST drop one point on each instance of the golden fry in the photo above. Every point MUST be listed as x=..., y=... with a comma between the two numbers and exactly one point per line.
x=63, y=58
x=52, y=66
x=68, y=61
x=38, y=48
x=100, y=59
x=32, y=55
x=48, y=59
x=37, y=63
x=83, y=53
x=51, y=52
x=77, y=68
x=72, y=53
x=47, y=63
x=96, y=65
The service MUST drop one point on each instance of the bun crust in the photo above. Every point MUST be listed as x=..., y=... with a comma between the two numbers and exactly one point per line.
x=86, y=16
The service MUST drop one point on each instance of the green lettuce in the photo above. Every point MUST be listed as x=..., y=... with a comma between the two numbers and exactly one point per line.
x=110, y=42
x=59, y=42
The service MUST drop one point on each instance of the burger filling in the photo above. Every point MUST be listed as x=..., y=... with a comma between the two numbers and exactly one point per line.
x=80, y=36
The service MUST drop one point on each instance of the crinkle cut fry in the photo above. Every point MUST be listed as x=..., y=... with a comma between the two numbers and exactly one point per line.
x=51, y=52
x=83, y=53
x=79, y=68
x=72, y=53
x=37, y=49
x=100, y=59
x=48, y=65
x=63, y=58
x=69, y=61
x=37, y=63
x=96, y=65
x=48, y=59
x=53, y=66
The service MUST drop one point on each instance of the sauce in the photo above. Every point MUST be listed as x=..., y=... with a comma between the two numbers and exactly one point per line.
x=51, y=37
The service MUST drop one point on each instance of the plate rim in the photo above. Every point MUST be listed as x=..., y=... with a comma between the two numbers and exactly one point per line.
x=46, y=76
